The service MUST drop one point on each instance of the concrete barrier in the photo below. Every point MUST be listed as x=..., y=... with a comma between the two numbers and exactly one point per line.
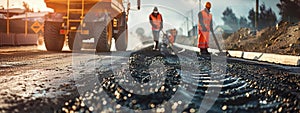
x=196, y=49
x=7, y=39
x=23, y=39
x=265, y=57
x=18, y=39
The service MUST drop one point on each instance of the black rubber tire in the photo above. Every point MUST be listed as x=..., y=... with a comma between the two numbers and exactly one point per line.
x=104, y=41
x=75, y=43
x=53, y=40
x=122, y=39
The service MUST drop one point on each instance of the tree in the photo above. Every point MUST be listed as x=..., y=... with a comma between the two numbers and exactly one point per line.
x=266, y=17
x=251, y=17
x=230, y=19
x=289, y=10
x=243, y=22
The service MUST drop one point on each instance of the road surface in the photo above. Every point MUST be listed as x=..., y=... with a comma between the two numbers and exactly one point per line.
x=34, y=80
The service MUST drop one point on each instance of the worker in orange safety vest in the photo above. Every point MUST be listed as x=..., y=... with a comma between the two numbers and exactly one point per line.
x=204, y=26
x=172, y=36
x=156, y=22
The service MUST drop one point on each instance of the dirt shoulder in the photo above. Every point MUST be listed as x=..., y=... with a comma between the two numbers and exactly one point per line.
x=281, y=39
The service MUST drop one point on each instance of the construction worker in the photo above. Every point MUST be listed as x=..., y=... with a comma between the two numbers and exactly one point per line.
x=205, y=25
x=156, y=22
x=172, y=37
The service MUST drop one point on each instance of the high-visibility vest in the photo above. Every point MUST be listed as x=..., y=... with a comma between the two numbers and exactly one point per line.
x=173, y=35
x=156, y=21
x=204, y=35
x=206, y=18
x=172, y=39
x=203, y=39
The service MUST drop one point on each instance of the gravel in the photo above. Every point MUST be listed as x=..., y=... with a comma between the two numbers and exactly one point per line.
x=147, y=80
x=244, y=87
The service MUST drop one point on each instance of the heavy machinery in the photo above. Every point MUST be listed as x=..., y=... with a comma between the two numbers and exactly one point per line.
x=76, y=20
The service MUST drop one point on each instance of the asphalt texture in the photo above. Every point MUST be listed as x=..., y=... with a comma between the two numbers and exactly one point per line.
x=35, y=80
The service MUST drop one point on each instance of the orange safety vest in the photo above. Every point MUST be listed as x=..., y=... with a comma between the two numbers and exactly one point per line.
x=156, y=21
x=204, y=35
x=172, y=37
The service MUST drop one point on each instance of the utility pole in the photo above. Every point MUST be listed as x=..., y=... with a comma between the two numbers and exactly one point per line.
x=192, y=17
x=187, y=25
x=7, y=18
x=199, y=5
x=193, y=30
x=256, y=14
x=197, y=15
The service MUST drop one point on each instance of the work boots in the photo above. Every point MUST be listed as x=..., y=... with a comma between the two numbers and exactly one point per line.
x=156, y=46
x=204, y=51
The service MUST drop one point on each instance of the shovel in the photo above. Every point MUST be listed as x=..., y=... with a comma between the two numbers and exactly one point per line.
x=219, y=48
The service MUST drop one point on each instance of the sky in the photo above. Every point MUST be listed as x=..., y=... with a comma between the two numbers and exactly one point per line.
x=35, y=4
x=175, y=12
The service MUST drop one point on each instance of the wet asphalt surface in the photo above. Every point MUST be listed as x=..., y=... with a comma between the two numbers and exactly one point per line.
x=34, y=80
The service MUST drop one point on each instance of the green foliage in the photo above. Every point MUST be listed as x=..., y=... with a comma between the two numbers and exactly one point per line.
x=243, y=23
x=232, y=21
x=266, y=17
x=251, y=17
x=289, y=10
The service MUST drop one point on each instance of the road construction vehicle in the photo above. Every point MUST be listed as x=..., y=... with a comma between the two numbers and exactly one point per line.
x=76, y=20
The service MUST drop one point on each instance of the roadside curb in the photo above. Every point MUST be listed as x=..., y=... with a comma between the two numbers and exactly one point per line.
x=265, y=57
x=143, y=46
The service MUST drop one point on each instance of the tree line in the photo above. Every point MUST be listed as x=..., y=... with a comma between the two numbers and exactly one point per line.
x=289, y=11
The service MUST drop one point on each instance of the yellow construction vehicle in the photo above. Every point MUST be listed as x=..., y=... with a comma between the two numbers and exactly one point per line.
x=75, y=20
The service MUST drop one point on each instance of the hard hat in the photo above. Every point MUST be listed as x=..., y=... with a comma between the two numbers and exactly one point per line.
x=155, y=9
x=208, y=5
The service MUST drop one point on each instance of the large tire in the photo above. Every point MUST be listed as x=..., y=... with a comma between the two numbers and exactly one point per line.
x=104, y=41
x=53, y=40
x=122, y=39
x=75, y=43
